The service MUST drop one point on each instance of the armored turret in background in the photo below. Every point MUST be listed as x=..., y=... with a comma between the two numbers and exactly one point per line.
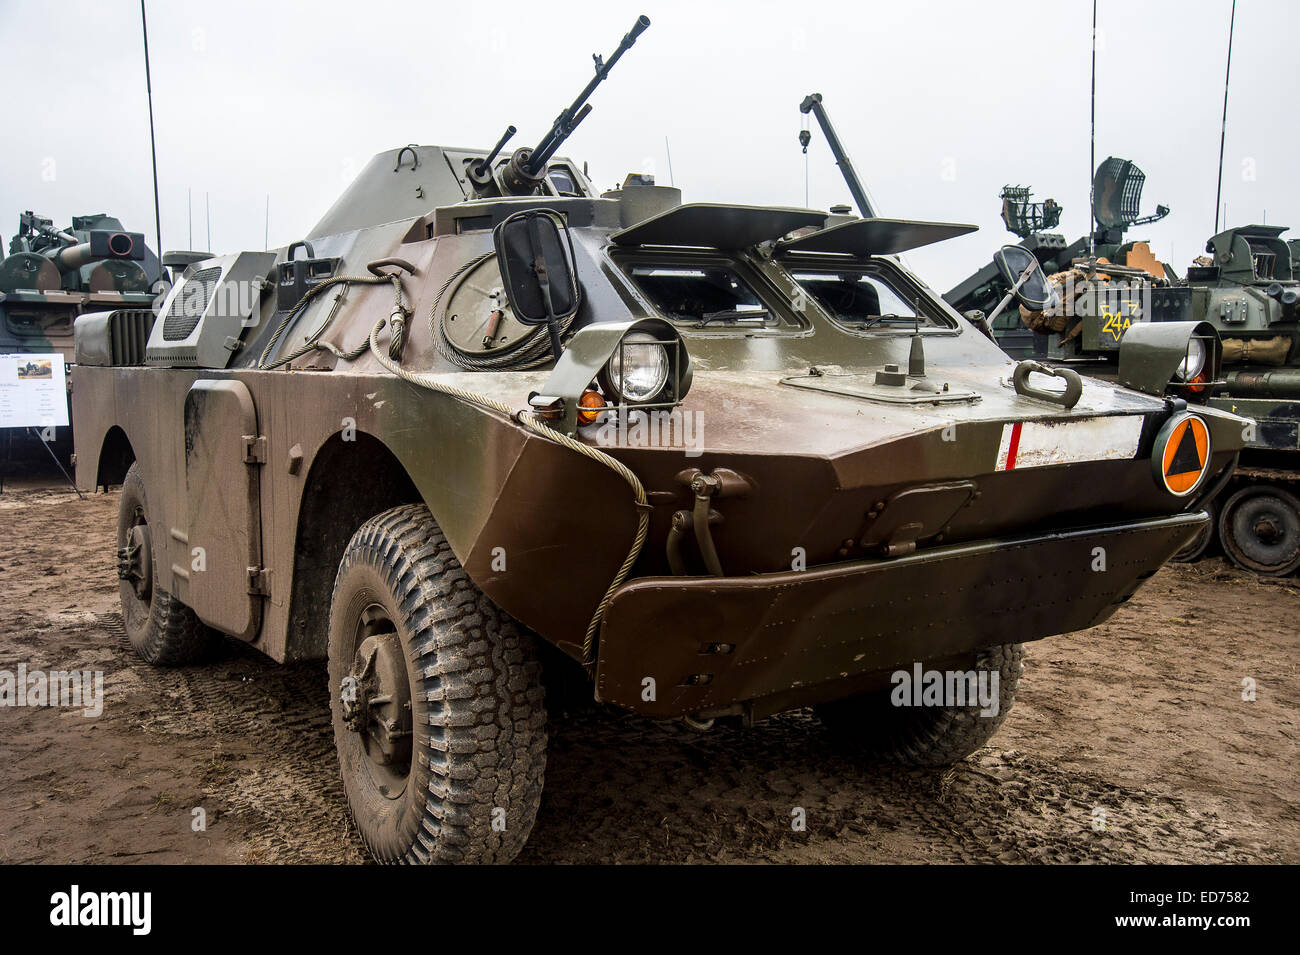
x=53, y=275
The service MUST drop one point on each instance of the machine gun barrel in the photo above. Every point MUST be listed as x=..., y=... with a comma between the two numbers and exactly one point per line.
x=486, y=162
x=813, y=102
x=568, y=120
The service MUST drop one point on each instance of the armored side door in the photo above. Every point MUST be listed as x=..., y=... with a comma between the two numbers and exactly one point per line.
x=224, y=581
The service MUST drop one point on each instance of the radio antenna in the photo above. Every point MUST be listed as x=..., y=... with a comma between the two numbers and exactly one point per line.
x=153, y=147
x=1092, y=143
x=1223, y=129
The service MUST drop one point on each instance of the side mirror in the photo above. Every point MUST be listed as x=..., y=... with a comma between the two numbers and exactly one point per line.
x=1022, y=272
x=535, y=255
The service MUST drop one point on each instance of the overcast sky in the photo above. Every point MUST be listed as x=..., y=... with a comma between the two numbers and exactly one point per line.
x=939, y=104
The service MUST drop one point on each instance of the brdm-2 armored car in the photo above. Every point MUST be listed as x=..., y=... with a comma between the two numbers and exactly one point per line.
x=727, y=460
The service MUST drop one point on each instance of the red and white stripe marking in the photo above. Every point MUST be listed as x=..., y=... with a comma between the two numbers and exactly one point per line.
x=1039, y=444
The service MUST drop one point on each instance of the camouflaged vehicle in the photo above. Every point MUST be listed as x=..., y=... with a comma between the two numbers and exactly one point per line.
x=769, y=467
x=51, y=276
x=1247, y=286
x=1097, y=301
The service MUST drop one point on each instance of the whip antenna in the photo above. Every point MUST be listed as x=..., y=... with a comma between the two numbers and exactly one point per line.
x=1223, y=129
x=1092, y=143
x=153, y=147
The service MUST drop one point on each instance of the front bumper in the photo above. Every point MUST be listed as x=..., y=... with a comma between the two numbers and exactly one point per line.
x=804, y=636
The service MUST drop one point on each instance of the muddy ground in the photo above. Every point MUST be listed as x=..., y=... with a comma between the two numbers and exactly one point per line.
x=1142, y=718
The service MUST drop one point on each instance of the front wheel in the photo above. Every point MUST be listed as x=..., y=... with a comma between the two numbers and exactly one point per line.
x=437, y=701
x=886, y=725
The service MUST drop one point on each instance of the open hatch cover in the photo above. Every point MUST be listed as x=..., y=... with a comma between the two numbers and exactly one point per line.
x=863, y=237
x=718, y=226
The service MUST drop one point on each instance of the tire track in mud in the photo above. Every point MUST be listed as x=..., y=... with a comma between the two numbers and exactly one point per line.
x=628, y=790
x=289, y=802
x=620, y=788
x=253, y=740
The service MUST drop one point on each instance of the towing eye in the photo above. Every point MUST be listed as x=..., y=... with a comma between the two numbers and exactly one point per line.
x=723, y=482
x=1067, y=398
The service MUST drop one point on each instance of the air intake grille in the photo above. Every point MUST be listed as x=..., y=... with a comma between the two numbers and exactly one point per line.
x=190, y=303
x=128, y=333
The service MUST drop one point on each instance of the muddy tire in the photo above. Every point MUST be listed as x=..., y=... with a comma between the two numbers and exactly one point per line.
x=162, y=630
x=437, y=701
x=1260, y=529
x=924, y=736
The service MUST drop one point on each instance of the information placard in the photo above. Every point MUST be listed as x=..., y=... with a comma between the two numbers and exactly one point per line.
x=33, y=391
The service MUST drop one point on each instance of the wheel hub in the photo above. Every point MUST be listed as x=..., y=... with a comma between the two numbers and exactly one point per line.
x=1267, y=531
x=376, y=698
x=135, y=561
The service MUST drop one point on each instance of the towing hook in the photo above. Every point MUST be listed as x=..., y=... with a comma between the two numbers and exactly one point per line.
x=705, y=487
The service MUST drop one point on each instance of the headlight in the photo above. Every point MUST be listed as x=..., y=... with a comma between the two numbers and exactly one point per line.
x=1193, y=362
x=639, y=368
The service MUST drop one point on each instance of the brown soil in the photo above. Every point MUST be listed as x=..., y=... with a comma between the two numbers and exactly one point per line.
x=1142, y=717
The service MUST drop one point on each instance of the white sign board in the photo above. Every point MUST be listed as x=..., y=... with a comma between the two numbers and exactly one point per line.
x=33, y=391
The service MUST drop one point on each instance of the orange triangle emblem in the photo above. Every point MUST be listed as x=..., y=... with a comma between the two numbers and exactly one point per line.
x=1186, y=455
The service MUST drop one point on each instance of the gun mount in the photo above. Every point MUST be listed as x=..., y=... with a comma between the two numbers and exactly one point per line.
x=523, y=173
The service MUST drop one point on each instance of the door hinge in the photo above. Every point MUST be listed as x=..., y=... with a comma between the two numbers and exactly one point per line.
x=254, y=449
x=259, y=581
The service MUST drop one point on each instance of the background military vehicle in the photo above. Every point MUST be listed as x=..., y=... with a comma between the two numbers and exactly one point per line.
x=1248, y=287
x=724, y=460
x=53, y=275
x=1096, y=303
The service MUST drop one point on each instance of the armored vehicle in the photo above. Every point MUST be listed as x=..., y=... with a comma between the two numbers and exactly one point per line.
x=53, y=275
x=1104, y=281
x=719, y=459
x=1248, y=287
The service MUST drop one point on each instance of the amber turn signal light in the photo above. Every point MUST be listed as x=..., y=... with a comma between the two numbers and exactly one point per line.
x=590, y=405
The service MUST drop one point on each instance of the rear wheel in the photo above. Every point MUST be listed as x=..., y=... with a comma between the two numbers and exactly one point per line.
x=1260, y=529
x=162, y=630
x=928, y=736
x=437, y=701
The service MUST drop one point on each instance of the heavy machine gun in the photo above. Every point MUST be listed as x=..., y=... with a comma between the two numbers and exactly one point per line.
x=524, y=172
